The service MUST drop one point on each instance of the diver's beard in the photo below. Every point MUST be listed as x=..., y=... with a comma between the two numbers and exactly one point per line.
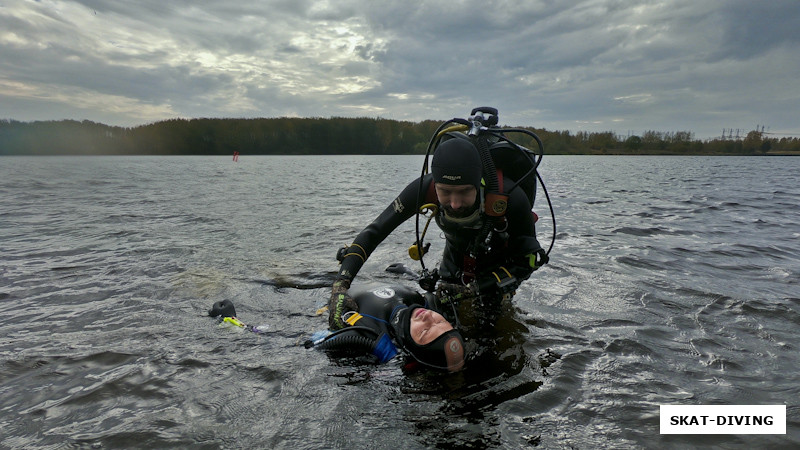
x=459, y=213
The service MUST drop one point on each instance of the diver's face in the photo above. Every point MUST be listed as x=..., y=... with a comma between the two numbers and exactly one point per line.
x=457, y=200
x=427, y=325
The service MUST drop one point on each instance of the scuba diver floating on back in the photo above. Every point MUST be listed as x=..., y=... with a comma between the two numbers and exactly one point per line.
x=389, y=321
x=484, y=212
x=395, y=318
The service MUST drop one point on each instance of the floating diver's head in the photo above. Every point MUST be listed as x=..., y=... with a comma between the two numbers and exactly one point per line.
x=222, y=308
x=457, y=172
x=428, y=337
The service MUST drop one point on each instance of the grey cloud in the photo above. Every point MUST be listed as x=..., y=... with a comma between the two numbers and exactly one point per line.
x=593, y=64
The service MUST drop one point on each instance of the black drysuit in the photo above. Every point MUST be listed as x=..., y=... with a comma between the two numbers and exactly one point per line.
x=512, y=248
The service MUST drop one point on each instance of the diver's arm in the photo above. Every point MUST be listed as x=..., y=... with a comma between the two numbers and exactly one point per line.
x=526, y=254
x=400, y=210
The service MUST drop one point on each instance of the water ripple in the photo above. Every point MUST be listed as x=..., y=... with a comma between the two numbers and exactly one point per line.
x=672, y=281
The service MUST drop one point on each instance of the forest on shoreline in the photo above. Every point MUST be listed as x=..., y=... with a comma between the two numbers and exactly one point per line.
x=334, y=136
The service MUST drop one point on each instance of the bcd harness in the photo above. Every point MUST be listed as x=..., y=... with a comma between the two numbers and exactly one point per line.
x=494, y=207
x=520, y=165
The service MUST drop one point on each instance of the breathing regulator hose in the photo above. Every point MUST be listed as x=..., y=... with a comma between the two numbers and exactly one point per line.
x=350, y=343
x=536, y=160
x=462, y=125
x=415, y=252
x=333, y=340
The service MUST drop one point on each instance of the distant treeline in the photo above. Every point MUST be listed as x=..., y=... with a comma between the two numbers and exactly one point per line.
x=332, y=136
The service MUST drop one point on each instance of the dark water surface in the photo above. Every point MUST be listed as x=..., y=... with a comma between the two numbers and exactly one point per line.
x=674, y=280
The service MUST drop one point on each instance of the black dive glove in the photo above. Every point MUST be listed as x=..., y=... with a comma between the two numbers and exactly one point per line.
x=538, y=259
x=455, y=292
x=340, y=303
x=499, y=282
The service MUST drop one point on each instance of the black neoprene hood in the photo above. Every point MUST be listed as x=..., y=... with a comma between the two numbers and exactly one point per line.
x=456, y=162
x=446, y=352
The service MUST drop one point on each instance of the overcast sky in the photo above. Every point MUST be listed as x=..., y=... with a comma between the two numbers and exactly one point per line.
x=593, y=65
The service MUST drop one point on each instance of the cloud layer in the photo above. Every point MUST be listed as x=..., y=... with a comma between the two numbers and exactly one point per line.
x=594, y=65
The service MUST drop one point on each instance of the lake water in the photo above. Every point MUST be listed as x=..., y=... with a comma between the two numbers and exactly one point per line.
x=673, y=280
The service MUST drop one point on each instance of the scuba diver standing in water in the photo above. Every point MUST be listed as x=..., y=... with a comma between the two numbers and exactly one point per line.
x=480, y=192
x=483, y=209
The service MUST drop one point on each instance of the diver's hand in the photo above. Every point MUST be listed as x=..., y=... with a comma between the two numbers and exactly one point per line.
x=451, y=292
x=340, y=303
x=538, y=259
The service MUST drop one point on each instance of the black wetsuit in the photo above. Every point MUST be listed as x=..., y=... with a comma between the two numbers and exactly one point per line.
x=370, y=330
x=510, y=248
